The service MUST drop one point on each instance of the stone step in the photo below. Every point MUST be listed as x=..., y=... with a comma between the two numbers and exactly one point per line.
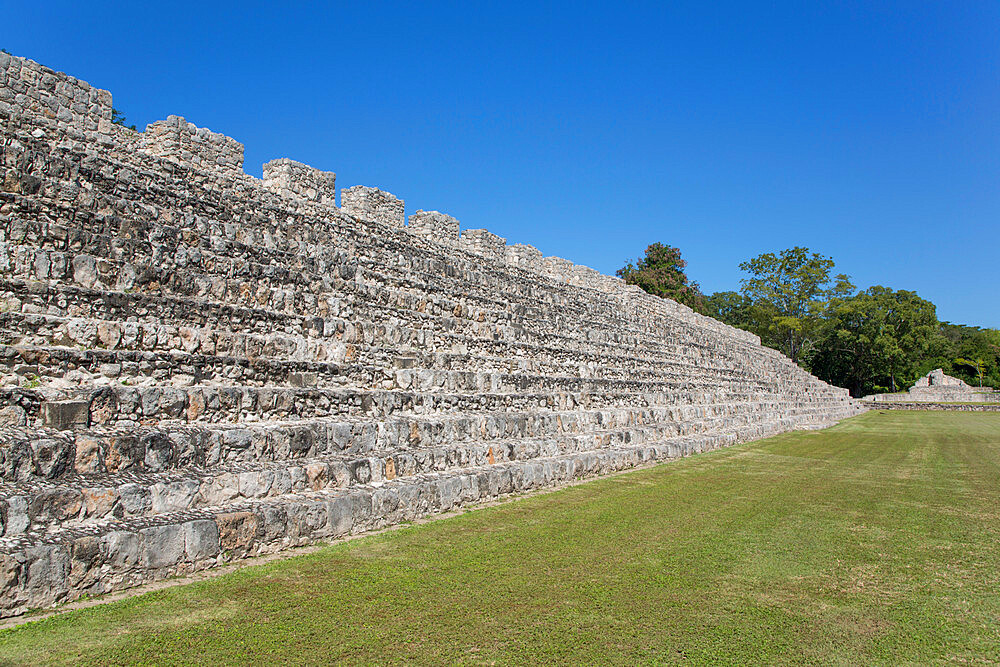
x=41, y=330
x=59, y=567
x=33, y=330
x=33, y=454
x=120, y=306
x=702, y=362
x=274, y=288
x=41, y=506
x=152, y=404
x=69, y=370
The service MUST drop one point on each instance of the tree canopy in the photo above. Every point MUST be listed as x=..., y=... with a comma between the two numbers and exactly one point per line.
x=794, y=286
x=661, y=273
x=875, y=340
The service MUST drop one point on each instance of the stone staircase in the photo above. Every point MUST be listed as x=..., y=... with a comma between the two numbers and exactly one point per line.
x=200, y=366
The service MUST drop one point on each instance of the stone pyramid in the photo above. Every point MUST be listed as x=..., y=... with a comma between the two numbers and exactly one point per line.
x=200, y=366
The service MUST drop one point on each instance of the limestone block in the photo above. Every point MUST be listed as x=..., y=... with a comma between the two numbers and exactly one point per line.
x=201, y=539
x=64, y=415
x=85, y=270
x=123, y=548
x=53, y=456
x=55, y=505
x=17, y=519
x=238, y=531
x=161, y=546
x=135, y=499
x=173, y=496
x=48, y=570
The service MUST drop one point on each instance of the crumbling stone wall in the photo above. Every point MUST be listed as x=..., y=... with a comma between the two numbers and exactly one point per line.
x=936, y=387
x=199, y=365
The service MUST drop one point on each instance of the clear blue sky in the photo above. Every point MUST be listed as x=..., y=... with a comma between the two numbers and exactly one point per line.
x=867, y=131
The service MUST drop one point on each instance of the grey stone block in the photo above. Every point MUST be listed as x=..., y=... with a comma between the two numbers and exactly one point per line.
x=201, y=539
x=162, y=546
x=64, y=415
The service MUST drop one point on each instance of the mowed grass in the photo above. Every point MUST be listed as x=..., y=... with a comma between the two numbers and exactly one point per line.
x=876, y=541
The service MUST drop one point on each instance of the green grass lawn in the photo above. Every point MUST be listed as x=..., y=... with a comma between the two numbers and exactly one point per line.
x=876, y=541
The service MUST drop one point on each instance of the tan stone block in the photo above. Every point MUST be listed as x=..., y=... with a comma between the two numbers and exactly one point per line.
x=89, y=455
x=196, y=406
x=98, y=501
x=317, y=475
x=238, y=530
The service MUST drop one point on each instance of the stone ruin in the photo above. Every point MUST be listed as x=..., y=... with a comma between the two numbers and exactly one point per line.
x=200, y=366
x=936, y=387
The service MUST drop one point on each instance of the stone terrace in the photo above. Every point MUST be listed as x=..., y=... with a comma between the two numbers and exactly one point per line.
x=199, y=365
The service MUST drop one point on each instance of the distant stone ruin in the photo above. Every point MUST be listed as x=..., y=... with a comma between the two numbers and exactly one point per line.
x=936, y=387
x=200, y=366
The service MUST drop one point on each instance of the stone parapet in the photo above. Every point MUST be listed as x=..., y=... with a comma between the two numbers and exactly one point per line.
x=197, y=365
x=435, y=226
x=62, y=106
x=558, y=269
x=484, y=243
x=288, y=178
x=373, y=205
x=526, y=257
x=182, y=142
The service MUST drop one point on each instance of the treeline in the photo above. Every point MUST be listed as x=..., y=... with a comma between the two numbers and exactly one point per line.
x=869, y=341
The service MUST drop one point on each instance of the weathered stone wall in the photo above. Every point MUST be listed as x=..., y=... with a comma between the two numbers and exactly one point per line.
x=63, y=108
x=936, y=387
x=199, y=365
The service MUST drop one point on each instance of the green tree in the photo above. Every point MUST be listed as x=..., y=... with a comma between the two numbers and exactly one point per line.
x=877, y=340
x=978, y=365
x=963, y=342
x=732, y=308
x=794, y=287
x=661, y=273
x=978, y=354
x=738, y=310
x=118, y=118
